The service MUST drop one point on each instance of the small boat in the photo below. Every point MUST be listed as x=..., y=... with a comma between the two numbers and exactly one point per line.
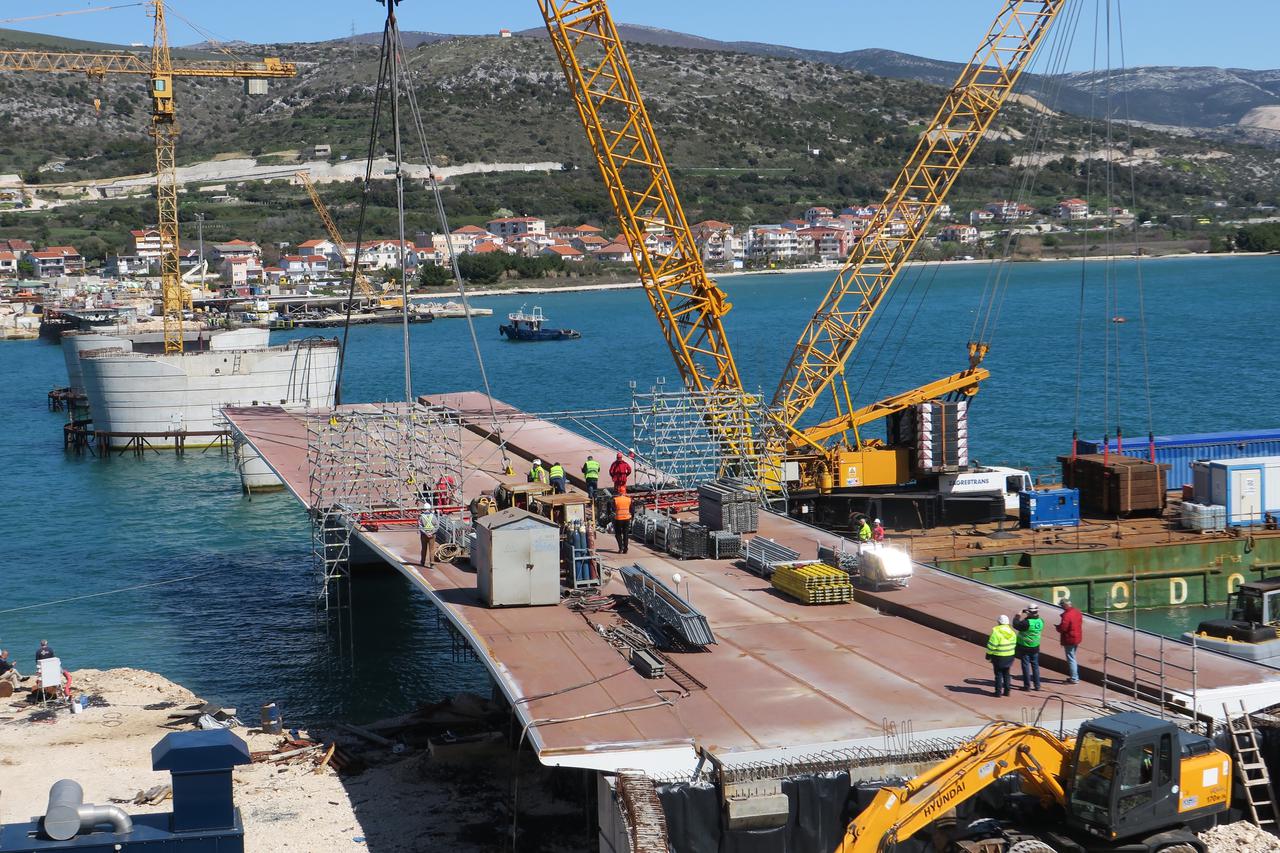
x=1251, y=629
x=528, y=327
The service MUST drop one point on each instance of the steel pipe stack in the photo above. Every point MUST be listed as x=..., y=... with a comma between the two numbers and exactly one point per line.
x=763, y=554
x=724, y=545
x=665, y=610
x=728, y=504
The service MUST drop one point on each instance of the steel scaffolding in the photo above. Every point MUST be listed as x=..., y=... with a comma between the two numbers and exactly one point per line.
x=678, y=448
x=374, y=463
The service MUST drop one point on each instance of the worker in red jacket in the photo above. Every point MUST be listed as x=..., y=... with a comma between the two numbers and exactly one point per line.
x=1071, y=633
x=619, y=471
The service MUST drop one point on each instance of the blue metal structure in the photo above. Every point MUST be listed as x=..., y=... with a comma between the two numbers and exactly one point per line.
x=1179, y=451
x=204, y=817
x=1049, y=508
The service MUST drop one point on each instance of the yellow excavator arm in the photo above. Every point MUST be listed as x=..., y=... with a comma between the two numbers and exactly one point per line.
x=900, y=221
x=999, y=749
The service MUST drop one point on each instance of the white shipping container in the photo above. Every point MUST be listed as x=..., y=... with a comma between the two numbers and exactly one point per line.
x=517, y=559
x=1249, y=488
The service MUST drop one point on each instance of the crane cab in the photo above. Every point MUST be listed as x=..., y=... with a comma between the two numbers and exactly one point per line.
x=1132, y=776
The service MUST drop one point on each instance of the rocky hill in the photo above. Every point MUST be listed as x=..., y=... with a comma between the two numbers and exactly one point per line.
x=750, y=136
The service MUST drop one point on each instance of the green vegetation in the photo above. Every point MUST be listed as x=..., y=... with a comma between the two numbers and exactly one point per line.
x=1259, y=238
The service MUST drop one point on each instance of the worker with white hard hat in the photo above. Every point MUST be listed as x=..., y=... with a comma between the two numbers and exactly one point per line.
x=1001, y=646
x=538, y=474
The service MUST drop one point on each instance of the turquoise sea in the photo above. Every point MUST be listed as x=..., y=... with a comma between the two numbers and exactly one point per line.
x=244, y=630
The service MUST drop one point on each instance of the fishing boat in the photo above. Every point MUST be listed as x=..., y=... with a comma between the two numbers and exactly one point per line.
x=523, y=326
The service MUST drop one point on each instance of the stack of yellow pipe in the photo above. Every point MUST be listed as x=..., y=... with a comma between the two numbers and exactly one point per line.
x=813, y=583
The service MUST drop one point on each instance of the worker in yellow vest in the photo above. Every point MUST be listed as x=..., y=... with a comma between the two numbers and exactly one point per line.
x=591, y=473
x=1001, y=646
x=557, y=478
x=622, y=519
x=538, y=474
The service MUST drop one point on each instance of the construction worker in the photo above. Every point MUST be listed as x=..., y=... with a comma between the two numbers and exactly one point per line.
x=538, y=474
x=557, y=478
x=445, y=487
x=864, y=529
x=1071, y=634
x=1001, y=646
x=619, y=471
x=877, y=532
x=591, y=473
x=427, y=534
x=1029, y=626
x=622, y=518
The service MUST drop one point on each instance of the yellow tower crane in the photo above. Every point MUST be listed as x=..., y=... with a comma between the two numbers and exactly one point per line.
x=161, y=71
x=304, y=177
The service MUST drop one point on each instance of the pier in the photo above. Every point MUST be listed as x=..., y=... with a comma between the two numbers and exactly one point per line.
x=784, y=680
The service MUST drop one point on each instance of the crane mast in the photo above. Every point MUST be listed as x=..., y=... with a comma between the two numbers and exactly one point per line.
x=688, y=304
x=944, y=149
x=161, y=71
x=331, y=227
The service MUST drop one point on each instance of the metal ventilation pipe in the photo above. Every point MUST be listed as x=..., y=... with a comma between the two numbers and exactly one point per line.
x=68, y=815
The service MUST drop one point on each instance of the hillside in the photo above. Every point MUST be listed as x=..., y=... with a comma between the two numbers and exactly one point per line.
x=740, y=130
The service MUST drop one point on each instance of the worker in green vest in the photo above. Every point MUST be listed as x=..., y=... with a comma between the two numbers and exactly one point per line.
x=1000, y=650
x=1029, y=626
x=538, y=474
x=591, y=473
x=557, y=478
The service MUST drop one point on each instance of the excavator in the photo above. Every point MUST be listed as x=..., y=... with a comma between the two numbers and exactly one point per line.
x=831, y=456
x=1126, y=783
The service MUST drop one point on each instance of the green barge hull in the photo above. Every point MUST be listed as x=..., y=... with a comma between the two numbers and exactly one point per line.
x=1129, y=577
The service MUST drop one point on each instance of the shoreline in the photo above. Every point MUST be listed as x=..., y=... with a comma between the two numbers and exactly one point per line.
x=835, y=267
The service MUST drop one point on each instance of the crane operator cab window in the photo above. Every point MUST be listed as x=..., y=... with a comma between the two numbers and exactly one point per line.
x=1252, y=606
x=1095, y=770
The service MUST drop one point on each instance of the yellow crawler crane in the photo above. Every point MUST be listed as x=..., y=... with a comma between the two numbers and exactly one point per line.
x=161, y=70
x=1125, y=782
x=331, y=228
x=818, y=360
x=688, y=304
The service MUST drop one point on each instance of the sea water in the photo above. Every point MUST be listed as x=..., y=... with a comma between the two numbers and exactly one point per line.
x=242, y=627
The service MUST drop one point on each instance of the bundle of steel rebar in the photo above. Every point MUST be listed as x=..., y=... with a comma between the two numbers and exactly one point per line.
x=813, y=583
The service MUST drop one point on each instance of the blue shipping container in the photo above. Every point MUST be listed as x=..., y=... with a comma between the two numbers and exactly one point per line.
x=1179, y=451
x=1049, y=508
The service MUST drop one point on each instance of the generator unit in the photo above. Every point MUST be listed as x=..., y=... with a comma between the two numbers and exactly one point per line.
x=1049, y=508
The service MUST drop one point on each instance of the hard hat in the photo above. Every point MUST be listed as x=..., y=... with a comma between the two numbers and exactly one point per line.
x=1004, y=620
x=537, y=461
x=1035, y=608
x=877, y=521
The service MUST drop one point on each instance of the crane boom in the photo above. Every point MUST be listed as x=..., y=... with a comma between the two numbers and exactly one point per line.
x=164, y=129
x=362, y=283
x=944, y=148
x=98, y=64
x=687, y=302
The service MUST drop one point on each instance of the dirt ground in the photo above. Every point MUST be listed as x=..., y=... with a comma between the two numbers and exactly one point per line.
x=1240, y=838
x=405, y=801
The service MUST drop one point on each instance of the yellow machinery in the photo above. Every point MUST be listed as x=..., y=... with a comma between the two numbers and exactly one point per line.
x=1125, y=779
x=161, y=71
x=331, y=228
x=690, y=306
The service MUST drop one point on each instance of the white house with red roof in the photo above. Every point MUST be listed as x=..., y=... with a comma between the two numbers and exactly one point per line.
x=8, y=264
x=569, y=232
x=313, y=266
x=817, y=215
x=466, y=238
x=324, y=248
x=565, y=253
x=1072, y=208
x=237, y=249
x=823, y=241
x=615, y=252
x=966, y=235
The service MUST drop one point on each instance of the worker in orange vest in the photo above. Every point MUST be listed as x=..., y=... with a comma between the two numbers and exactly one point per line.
x=622, y=518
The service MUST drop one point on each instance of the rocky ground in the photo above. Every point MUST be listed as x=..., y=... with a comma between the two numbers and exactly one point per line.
x=392, y=797
x=1240, y=838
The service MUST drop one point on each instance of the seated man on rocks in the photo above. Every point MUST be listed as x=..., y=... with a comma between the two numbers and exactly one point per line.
x=8, y=672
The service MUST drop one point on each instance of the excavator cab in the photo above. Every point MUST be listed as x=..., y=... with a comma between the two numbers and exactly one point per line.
x=1134, y=776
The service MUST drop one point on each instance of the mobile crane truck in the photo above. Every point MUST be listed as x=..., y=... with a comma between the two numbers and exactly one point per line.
x=1126, y=783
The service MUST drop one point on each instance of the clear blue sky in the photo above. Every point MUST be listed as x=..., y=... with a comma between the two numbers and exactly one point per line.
x=1234, y=33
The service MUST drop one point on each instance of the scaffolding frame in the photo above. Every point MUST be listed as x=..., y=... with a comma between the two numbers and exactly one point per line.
x=685, y=437
x=372, y=464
